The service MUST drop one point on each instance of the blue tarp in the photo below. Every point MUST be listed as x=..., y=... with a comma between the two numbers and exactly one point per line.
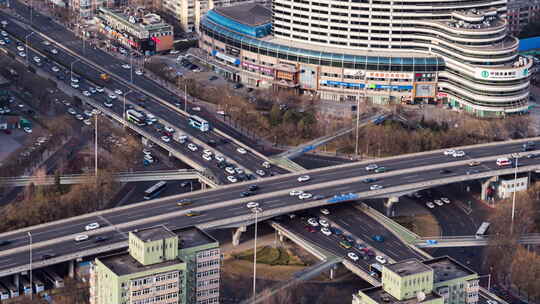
x=529, y=44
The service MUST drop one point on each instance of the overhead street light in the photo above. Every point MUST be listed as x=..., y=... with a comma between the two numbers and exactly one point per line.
x=255, y=210
x=516, y=157
x=30, y=272
x=26, y=42
x=124, y=113
x=71, y=68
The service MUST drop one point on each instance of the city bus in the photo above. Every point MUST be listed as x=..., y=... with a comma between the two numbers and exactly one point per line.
x=136, y=117
x=4, y=293
x=38, y=283
x=155, y=190
x=26, y=286
x=481, y=232
x=199, y=123
x=51, y=276
x=13, y=291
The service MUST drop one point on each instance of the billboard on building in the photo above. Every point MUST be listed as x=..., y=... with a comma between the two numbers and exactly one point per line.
x=424, y=90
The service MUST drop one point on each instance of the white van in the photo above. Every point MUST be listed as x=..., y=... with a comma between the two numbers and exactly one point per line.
x=149, y=158
x=80, y=238
x=503, y=161
x=182, y=139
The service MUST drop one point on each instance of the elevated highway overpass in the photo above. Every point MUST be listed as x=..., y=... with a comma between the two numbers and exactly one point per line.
x=124, y=177
x=470, y=241
x=223, y=206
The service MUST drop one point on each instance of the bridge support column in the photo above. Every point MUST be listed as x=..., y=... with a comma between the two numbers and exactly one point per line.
x=16, y=280
x=237, y=234
x=332, y=273
x=71, y=269
x=203, y=185
x=390, y=203
x=487, y=190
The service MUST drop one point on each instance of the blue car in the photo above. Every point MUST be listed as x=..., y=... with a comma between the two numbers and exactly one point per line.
x=378, y=238
x=7, y=40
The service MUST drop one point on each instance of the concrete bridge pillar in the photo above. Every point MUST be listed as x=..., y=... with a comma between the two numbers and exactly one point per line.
x=203, y=185
x=390, y=203
x=71, y=269
x=486, y=185
x=237, y=234
x=16, y=280
x=332, y=273
x=281, y=237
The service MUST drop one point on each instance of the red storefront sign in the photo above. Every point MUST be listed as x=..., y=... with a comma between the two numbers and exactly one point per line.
x=257, y=67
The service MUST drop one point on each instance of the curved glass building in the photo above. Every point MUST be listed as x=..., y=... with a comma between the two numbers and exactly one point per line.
x=408, y=51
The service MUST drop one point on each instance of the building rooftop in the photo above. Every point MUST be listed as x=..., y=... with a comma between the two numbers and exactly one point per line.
x=154, y=233
x=378, y=295
x=147, y=21
x=445, y=269
x=250, y=14
x=193, y=236
x=123, y=264
x=408, y=267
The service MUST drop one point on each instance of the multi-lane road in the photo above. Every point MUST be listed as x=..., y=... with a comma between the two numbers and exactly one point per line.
x=224, y=206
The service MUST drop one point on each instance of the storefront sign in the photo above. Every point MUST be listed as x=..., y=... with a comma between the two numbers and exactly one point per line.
x=425, y=90
x=389, y=75
x=351, y=72
x=226, y=57
x=257, y=67
x=369, y=86
x=442, y=94
x=501, y=74
x=232, y=51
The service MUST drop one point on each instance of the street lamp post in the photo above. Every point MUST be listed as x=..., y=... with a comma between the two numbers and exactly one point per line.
x=255, y=210
x=30, y=236
x=26, y=42
x=71, y=68
x=516, y=158
x=124, y=113
x=131, y=65
x=96, y=147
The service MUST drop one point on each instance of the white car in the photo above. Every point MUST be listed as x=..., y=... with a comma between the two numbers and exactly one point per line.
x=438, y=202
x=22, y=54
x=80, y=238
x=326, y=231
x=37, y=59
x=445, y=200
x=87, y=122
x=118, y=92
x=91, y=226
x=305, y=195
x=196, y=109
x=352, y=256
x=266, y=165
x=219, y=158
x=313, y=222
x=139, y=72
x=174, y=52
x=449, y=152
x=380, y=259
x=207, y=157
x=86, y=93
x=100, y=89
x=375, y=187
x=72, y=111
x=27, y=129
x=108, y=104
x=430, y=205
x=325, y=211
x=92, y=90
x=2, y=42
x=232, y=179
x=324, y=223
x=252, y=205
x=79, y=117
x=126, y=66
x=241, y=150
x=75, y=85
x=74, y=79
x=165, y=138
x=371, y=167
x=55, y=69
x=207, y=151
x=4, y=33
x=20, y=48
x=88, y=113
x=459, y=154
x=260, y=172
x=112, y=96
x=169, y=129
x=54, y=51
x=304, y=178
x=230, y=170
x=192, y=147
x=295, y=192
x=46, y=42
x=238, y=170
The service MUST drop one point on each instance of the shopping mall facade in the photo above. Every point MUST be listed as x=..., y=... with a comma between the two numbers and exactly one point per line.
x=385, y=51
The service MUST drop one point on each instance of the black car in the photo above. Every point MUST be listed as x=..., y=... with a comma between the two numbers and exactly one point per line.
x=5, y=242
x=253, y=188
x=184, y=184
x=445, y=171
x=246, y=193
x=369, y=180
x=221, y=165
x=533, y=155
x=48, y=256
x=212, y=143
x=238, y=86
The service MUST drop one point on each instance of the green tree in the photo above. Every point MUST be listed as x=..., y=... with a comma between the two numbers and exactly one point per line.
x=275, y=115
x=290, y=116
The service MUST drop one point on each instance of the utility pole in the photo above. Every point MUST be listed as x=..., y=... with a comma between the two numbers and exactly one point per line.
x=516, y=157
x=357, y=120
x=185, y=97
x=96, y=147
x=256, y=210
x=31, y=290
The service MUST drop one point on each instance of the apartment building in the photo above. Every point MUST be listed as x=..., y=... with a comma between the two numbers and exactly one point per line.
x=136, y=29
x=161, y=267
x=520, y=13
x=437, y=281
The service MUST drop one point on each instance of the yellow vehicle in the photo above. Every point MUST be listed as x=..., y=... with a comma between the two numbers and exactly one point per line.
x=193, y=213
x=104, y=77
x=184, y=202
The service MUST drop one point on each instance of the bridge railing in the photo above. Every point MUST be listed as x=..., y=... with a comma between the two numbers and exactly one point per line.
x=406, y=235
